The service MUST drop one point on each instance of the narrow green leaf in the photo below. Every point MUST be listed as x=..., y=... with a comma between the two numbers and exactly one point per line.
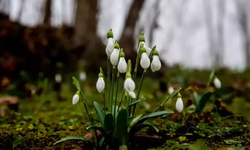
x=197, y=99
x=134, y=121
x=139, y=127
x=76, y=83
x=101, y=129
x=154, y=115
x=137, y=101
x=122, y=125
x=204, y=100
x=101, y=142
x=100, y=113
x=109, y=122
x=72, y=138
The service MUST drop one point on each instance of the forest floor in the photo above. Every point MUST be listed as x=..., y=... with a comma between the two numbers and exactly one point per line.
x=43, y=119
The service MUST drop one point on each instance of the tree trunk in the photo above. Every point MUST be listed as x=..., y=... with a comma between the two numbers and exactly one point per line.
x=127, y=41
x=47, y=12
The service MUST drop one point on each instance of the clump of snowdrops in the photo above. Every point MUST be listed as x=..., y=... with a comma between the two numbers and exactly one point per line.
x=118, y=122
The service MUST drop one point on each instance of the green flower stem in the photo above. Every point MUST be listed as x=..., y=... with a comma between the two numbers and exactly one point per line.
x=91, y=121
x=104, y=102
x=112, y=90
x=108, y=75
x=136, y=65
x=139, y=90
x=210, y=79
x=120, y=102
x=117, y=83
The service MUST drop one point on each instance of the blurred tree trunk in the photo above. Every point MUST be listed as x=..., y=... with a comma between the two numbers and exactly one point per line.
x=47, y=12
x=127, y=41
x=86, y=39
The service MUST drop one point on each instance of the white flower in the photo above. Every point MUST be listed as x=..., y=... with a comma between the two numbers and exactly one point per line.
x=123, y=147
x=170, y=89
x=138, y=50
x=82, y=76
x=156, y=63
x=75, y=99
x=129, y=86
x=58, y=78
x=100, y=84
x=114, y=57
x=122, y=65
x=145, y=61
x=110, y=46
x=179, y=105
x=148, y=50
x=217, y=83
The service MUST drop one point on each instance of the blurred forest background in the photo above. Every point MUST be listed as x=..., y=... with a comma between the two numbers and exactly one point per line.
x=44, y=37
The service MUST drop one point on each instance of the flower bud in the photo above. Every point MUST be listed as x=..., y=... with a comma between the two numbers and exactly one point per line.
x=145, y=61
x=58, y=78
x=114, y=57
x=100, y=84
x=217, y=83
x=122, y=65
x=110, y=46
x=170, y=89
x=179, y=105
x=76, y=98
x=123, y=147
x=156, y=63
x=129, y=86
x=82, y=76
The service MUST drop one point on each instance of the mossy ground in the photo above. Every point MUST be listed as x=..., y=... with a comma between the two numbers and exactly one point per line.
x=42, y=120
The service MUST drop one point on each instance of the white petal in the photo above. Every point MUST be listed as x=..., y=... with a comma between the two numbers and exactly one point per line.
x=148, y=50
x=58, y=78
x=82, y=76
x=129, y=85
x=156, y=63
x=170, y=90
x=179, y=105
x=114, y=57
x=75, y=99
x=122, y=65
x=131, y=94
x=100, y=84
x=110, y=46
x=145, y=61
x=217, y=83
x=139, y=46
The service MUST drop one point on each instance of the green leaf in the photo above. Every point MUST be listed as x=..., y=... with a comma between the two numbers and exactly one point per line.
x=122, y=126
x=101, y=142
x=191, y=109
x=204, y=100
x=109, y=122
x=101, y=129
x=100, y=113
x=154, y=115
x=137, y=101
x=197, y=99
x=72, y=138
x=18, y=141
x=134, y=121
x=139, y=127
x=76, y=83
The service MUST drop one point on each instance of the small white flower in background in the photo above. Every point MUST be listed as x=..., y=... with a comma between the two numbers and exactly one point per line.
x=114, y=57
x=217, y=83
x=145, y=61
x=58, y=78
x=82, y=76
x=156, y=63
x=76, y=98
x=122, y=65
x=129, y=86
x=100, y=84
x=179, y=104
x=170, y=89
x=110, y=45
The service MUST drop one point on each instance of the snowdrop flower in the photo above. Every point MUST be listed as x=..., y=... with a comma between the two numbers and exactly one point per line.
x=141, y=42
x=100, y=84
x=179, y=104
x=114, y=57
x=76, y=98
x=58, y=78
x=122, y=65
x=129, y=85
x=82, y=76
x=110, y=45
x=217, y=83
x=170, y=89
x=123, y=147
x=145, y=61
x=156, y=63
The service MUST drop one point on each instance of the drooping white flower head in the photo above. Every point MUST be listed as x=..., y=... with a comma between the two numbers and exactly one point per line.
x=129, y=85
x=122, y=65
x=114, y=57
x=76, y=98
x=110, y=45
x=179, y=104
x=141, y=42
x=217, y=83
x=170, y=89
x=58, y=78
x=156, y=63
x=100, y=84
x=82, y=76
x=145, y=61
